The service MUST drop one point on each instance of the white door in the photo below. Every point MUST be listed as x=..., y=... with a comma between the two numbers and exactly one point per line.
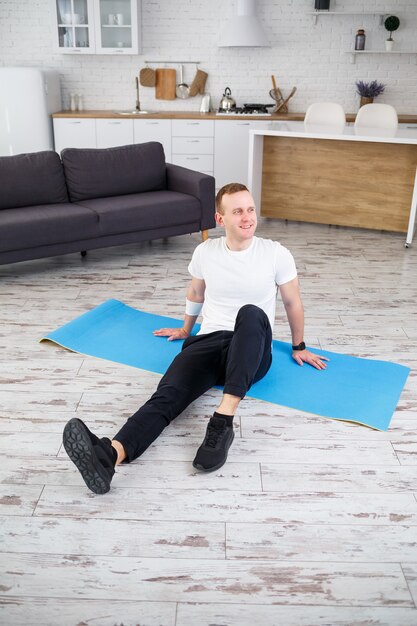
x=231, y=150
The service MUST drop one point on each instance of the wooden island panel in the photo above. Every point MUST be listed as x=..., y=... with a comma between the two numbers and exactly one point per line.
x=346, y=183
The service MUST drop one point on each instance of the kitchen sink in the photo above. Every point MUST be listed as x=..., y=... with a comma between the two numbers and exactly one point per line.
x=132, y=112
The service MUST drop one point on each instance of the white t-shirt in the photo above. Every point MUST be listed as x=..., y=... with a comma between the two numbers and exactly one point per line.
x=236, y=278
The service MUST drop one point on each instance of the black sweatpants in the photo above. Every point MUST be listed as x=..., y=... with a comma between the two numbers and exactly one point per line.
x=235, y=359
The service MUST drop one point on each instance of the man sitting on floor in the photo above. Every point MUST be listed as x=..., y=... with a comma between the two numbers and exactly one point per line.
x=234, y=281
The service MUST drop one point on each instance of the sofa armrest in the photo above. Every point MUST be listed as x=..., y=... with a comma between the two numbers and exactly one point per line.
x=201, y=186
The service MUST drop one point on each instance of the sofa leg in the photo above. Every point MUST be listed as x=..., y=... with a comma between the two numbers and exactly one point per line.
x=204, y=235
x=83, y=253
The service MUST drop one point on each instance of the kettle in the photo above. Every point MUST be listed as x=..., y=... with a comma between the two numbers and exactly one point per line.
x=227, y=102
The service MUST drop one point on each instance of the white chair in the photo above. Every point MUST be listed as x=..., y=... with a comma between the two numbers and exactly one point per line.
x=376, y=116
x=330, y=114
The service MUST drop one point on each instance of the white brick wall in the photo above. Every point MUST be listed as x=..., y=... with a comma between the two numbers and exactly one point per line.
x=311, y=57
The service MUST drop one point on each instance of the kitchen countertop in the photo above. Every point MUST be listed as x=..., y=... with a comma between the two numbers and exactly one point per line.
x=172, y=115
x=349, y=133
x=181, y=115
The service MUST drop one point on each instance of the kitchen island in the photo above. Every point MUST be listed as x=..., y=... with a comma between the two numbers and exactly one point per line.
x=366, y=180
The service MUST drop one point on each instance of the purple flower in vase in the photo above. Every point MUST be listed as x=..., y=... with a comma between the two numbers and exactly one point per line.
x=369, y=90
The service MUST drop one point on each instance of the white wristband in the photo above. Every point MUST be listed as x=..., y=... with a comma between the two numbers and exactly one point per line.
x=192, y=308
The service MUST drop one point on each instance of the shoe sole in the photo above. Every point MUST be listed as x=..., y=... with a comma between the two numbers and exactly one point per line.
x=216, y=467
x=80, y=450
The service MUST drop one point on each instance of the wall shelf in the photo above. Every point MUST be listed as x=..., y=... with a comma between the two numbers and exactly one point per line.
x=316, y=14
x=354, y=53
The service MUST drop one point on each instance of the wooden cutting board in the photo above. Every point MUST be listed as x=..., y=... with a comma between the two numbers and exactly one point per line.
x=165, y=86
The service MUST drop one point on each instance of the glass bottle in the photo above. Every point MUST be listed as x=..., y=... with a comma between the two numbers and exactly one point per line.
x=73, y=101
x=360, y=40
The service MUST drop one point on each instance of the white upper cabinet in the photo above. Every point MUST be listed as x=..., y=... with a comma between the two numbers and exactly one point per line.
x=117, y=26
x=98, y=26
x=74, y=23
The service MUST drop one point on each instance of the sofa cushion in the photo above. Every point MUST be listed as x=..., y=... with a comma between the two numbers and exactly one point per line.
x=99, y=173
x=34, y=178
x=34, y=226
x=144, y=211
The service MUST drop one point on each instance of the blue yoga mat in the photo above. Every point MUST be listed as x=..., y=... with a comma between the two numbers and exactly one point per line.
x=353, y=389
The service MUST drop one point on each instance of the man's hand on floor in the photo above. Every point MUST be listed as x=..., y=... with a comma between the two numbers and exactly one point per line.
x=305, y=356
x=171, y=333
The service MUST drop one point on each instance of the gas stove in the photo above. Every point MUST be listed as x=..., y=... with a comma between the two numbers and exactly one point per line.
x=247, y=109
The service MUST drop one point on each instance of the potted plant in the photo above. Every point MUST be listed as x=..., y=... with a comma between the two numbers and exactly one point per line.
x=369, y=91
x=391, y=24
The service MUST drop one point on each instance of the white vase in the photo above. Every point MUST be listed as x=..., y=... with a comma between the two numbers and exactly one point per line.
x=389, y=45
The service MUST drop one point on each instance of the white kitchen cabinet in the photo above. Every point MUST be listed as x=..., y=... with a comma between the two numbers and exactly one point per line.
x=74, y=26
x=74, y=133
x=154, y=130
x=193, y=128
x=117, y=26
x=199, y=162
x=215, y=147
x=98, y=26
x=193, y=144
x=111, y=132
x=231, y=150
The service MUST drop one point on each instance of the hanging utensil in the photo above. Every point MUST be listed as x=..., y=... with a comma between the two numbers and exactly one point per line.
x=147, y=77
x=183, y=91
x=199, y=83
x=165, y=84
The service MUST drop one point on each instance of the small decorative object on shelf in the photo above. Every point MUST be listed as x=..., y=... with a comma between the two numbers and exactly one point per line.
x=369, y=91
x=360, y=40
x=322, y=5
x=391, y=24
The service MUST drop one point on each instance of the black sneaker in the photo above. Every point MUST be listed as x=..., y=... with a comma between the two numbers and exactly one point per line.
x=93, y=457
x=212, y=453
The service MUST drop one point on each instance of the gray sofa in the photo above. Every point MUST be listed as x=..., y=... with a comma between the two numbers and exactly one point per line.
x=94, y=198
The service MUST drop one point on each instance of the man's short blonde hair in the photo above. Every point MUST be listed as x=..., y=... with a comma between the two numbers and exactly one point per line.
x=228, y=190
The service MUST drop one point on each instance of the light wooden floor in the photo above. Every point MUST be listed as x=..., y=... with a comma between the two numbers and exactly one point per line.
x=311, y=521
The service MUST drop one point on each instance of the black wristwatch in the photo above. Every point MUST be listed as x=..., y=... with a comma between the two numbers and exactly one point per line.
x=301, y=346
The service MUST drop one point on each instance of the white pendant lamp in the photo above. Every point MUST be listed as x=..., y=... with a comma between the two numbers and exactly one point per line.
x=243, y=29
